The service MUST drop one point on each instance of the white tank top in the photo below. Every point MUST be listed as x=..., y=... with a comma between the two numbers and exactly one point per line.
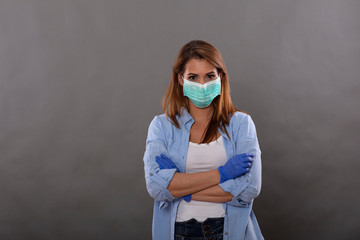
x=202, y=157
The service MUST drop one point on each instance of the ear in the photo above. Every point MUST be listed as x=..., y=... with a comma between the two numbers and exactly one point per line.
x=180, y=80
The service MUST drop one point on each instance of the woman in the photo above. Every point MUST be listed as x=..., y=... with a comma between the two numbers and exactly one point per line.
x=202, y=158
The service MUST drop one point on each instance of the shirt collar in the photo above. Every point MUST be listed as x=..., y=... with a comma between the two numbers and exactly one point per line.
x=186, y=118
x=224, y=134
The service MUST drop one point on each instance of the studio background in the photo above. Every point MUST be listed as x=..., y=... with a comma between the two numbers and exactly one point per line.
x=80, y=82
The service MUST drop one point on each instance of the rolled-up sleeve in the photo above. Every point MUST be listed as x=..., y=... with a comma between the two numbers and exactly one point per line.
x=246, y=187
x=157, y=181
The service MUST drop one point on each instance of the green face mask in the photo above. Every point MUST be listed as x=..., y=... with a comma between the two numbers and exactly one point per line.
x=202, y=94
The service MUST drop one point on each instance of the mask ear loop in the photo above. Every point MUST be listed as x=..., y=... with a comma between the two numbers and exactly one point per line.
x=181, y=78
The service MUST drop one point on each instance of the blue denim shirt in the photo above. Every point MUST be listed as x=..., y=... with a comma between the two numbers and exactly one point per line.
x=163, y=137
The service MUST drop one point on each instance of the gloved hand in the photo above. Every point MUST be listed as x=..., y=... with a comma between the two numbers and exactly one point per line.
x=235, y=166
x=166, y=163
x=187, y=198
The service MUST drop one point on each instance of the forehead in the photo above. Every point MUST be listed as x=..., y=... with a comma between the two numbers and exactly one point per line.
x=199, y=66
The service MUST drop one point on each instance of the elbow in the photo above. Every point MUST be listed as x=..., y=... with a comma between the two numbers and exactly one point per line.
x=250, y=194
x=159, y=194
x=255, y=192
x=157, y=183
x=246, y=197
x=252, y=191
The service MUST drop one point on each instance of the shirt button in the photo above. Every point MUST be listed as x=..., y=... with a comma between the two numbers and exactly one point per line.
x=151, y=174
x=226, y=233
x=247, y=180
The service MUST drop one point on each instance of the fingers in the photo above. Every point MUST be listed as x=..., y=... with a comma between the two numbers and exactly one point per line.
x=248, y=157
x=245, y=156
x=167, y=160
x=247, y=164
x=163, y=163
x=187, y=198
x=163, y=158
x=160, y=161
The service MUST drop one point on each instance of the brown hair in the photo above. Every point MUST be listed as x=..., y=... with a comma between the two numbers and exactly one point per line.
x=174, y=98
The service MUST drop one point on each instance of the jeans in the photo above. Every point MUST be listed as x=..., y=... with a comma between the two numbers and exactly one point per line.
x=210, y=229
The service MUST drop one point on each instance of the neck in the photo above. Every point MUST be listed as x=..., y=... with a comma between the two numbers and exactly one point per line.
x=201, y=114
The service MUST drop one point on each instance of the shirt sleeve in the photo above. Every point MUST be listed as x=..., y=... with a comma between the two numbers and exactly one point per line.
x=246, y=187
x=157, y=180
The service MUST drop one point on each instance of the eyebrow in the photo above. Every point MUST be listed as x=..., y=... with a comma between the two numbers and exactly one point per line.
x=197, y=74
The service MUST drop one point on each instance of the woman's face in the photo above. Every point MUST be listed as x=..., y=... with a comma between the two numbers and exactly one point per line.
x=200, y=71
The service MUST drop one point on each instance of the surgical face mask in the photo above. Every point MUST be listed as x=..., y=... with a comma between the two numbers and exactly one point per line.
x=202, y=94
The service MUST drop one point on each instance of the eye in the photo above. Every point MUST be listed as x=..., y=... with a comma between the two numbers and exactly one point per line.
x=211, y=76
x=192, y=77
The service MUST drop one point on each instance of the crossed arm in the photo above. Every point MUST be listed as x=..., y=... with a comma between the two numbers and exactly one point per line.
x=203, y=186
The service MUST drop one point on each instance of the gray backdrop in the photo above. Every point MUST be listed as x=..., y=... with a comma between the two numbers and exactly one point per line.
x=80, y=82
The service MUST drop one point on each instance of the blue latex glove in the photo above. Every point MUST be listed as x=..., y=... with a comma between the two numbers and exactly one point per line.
x=166, y=163
x=187, y=198
x=235, y=166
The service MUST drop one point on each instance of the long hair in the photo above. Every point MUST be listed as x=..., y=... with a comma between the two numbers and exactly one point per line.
x=174, y=99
